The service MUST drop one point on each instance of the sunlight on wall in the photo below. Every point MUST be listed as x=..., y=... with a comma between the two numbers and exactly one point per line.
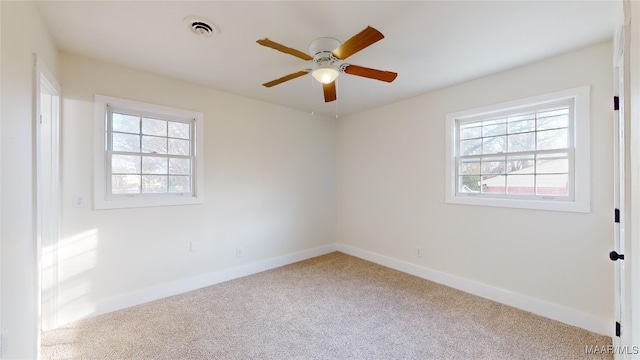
x=77, y=255
x=49, y=264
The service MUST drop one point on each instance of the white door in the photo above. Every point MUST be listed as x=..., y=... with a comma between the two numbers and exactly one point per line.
x=620, y=212
x=622, y=171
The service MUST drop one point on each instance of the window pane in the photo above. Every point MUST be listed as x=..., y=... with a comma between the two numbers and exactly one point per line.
x=470, y=167
x=125, y=164
x=471, y=147
x=153, y=184
x=125, y=142
x=154, y=165
x=522, y=123
x=494, y=145
x=520, y=164
x=470, y=131
x=154, y=127
x=521, y=117
x=154, y=145
x=522, y=142
x=493, y=184
x=552, y=165
x=493, y=166
x=520, y=184
x=556, y=185
x=179, y=184
x=494, y=127
x=469, y=184
x=179, y=147
x=180, y=166
x=552, y=139
x=179, y=130
x=125, y=123
x=553, y=119
x=125, y=184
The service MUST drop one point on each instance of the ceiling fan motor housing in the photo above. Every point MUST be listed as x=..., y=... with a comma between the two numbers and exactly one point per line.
x=321, y=49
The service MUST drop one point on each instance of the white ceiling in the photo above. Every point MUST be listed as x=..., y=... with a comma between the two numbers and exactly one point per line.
x=430, y=44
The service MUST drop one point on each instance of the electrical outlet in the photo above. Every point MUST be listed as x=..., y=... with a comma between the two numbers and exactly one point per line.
x=239, y=252
x=419, y=252
x=193, y=246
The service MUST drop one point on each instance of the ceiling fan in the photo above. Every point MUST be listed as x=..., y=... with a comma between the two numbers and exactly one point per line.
x=327, y=55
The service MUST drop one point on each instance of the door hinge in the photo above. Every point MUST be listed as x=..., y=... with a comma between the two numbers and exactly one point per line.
x=616, y=103
x=616, y=215
x=618, y=329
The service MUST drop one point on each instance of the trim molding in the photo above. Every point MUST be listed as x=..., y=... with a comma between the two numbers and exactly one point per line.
x=142, y=296
x=543, y=308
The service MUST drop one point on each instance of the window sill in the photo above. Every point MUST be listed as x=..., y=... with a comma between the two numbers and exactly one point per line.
x=550, y=205
x=136, y=202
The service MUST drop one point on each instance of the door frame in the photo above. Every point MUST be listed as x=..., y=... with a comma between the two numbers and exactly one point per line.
x=631, y=12
x=47, y=190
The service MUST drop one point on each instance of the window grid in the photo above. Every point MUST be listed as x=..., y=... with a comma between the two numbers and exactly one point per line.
x=487, y=140
x=170, y=179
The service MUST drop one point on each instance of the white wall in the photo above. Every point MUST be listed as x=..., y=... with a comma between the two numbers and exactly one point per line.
x=391, y=195
x=22, y=35
x=270, y=189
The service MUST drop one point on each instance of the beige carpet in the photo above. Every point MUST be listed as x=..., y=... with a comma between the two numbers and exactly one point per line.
x=331, y=307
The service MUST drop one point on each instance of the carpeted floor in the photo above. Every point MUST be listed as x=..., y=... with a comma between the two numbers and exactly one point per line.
x=331, y=307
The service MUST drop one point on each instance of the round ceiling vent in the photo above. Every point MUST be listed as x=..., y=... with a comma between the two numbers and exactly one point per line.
x=201, y=26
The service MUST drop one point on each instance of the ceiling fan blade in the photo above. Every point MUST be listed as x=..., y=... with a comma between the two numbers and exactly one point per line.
x=381, y=75
x=329, y=91
x=285, y=78
x=357, y=42
x=284, y=49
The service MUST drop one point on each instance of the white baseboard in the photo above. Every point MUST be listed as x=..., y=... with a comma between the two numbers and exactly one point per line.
x=549, y=310
x=543, y=308
x=181, y=286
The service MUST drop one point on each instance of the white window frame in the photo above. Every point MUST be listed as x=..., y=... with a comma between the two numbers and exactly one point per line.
x=579, y=166
x=103, y=199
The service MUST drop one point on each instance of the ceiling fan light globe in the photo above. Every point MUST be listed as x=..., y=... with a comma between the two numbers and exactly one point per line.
x=325, y=75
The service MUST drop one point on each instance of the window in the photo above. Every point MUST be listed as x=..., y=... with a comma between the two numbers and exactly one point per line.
x=529, y=153
x=147, y=155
